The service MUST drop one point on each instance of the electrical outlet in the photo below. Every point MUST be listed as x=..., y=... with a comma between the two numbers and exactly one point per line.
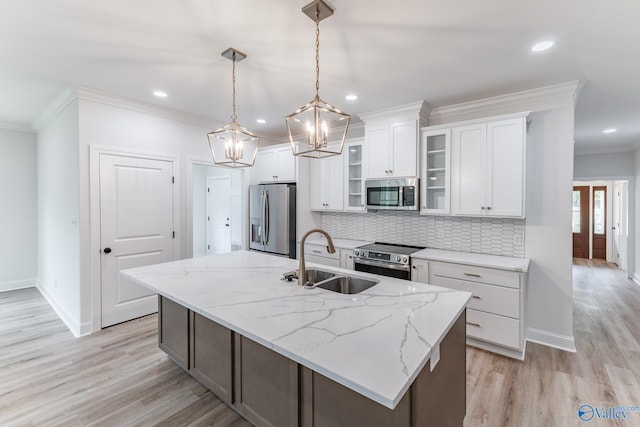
x=440, y=233
x=517, y=239
x=55, y=284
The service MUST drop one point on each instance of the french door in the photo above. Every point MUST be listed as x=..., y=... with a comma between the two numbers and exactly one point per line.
x=580, y=222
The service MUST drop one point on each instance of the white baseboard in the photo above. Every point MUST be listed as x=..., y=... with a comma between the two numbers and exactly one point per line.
x=550, y=339
x=636, y=278
x=17, y=284
x=77, y=329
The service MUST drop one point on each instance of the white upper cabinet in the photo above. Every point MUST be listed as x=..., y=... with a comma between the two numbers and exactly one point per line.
x=326, y=184
x=435, y=170
x=391, y=140
x=276, y=164
x=488, y=167
x=354, y=178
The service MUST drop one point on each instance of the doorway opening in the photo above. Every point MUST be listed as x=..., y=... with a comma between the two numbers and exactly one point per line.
x=600, y=221
x=217, y=210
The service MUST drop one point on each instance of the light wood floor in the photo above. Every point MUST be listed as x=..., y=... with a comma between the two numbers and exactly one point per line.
x=118, y=377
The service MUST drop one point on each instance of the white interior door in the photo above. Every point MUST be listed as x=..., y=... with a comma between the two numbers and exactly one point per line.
x=616, y=221
x=218, y=215
x=136, y=229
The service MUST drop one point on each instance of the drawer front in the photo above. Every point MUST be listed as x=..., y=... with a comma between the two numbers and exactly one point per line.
x=493, y=328
x=494, y=299
x=321, y=251
x=492, y=276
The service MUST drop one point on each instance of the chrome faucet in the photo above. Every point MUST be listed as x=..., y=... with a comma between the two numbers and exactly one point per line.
x=302, y=270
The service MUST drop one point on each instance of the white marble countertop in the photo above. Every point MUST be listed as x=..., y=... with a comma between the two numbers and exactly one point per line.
x=375, y=342
x=480, y=260
x=319, y=239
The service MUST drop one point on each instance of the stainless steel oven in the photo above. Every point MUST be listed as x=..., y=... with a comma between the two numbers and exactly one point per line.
x=385, y=259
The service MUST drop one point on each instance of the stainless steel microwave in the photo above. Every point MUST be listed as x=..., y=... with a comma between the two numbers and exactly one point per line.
x=399, y=193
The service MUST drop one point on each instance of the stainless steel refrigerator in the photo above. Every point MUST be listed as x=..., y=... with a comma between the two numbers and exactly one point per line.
x=272, y=218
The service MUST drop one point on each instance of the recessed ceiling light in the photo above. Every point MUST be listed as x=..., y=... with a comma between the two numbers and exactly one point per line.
x=612, y=130
x=160, y=94
x=261, y=121
x=351, y=97
x=542, y=46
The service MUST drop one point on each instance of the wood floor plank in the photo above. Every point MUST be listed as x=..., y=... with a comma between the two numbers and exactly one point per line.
x=119, y=377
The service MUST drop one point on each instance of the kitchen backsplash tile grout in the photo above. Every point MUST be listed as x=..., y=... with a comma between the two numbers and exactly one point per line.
x=493, y=236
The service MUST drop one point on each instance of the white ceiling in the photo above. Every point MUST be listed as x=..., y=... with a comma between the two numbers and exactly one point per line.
x=388, y=52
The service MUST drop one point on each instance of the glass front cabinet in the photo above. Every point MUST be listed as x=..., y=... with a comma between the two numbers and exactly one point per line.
x=435, y=169
x=354, y=191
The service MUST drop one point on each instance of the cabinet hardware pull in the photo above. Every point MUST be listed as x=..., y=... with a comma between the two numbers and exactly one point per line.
x=414, y=267
x=316, y=252
x=475, y=297
x=472, y=275
x=482, y=207
x=474, y=324
x=488, y=208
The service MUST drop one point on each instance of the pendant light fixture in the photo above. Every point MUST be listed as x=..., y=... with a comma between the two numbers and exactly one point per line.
x=309, y=126
x=233, y=145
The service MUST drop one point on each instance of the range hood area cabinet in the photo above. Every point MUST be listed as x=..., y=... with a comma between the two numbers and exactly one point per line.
x=488, y=167
x=391, y=140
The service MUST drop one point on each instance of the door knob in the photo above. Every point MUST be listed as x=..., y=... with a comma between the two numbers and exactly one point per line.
x=107, y=250
x=226, y=225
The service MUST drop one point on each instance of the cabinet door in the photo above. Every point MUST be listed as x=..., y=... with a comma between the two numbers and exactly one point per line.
x=468, y=170
x=404, y=147
x=267, y=164
x=335, y=183
x=377, y=149
x=173, y=331
x=211, y=355
x=286, y=165
x=346, y=259
x=318, y=184
x=505, y=167
x=435, y=170
x=354, y=180
x=266, y=385
x=419, y=270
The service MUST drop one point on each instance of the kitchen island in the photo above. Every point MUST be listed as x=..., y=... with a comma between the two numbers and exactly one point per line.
x=281, y=354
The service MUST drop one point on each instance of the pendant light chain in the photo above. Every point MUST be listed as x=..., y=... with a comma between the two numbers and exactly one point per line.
x=234, y=117
x=317, y=52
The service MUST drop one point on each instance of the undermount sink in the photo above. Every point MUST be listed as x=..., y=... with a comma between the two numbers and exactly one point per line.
x=315, y=276
x=335, y=282
x=347, y=284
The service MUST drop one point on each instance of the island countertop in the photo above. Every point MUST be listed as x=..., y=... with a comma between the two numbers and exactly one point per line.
x=375, y=342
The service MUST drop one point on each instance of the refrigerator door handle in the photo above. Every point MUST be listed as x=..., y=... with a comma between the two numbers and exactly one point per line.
x=268, y=219
x=262, y=222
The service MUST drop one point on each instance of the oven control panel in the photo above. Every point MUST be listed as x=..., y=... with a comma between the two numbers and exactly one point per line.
x=385, y=257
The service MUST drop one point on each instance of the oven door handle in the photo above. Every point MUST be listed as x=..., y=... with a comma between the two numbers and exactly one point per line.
x=382, y=264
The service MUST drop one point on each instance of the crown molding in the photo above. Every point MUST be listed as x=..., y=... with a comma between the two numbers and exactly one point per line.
x=55, y=107
x=69, y=94
x=419, y=109
x=19, y=127
x=510, y=100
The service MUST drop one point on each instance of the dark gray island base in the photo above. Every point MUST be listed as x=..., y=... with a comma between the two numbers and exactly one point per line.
x=269, y=389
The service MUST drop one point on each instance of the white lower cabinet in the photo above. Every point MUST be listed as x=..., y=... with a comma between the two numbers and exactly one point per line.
x=318, y=254
x=495, y=313
x=346, y=259
x=419, y=270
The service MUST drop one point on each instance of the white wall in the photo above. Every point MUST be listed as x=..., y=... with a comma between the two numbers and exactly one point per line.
x=549, y=181
x=634, y=189
x=126, y=129
x=58, y=215
x=606, y=165
x=18, y=215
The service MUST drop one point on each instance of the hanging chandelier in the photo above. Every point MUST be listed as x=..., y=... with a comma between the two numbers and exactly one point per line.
x=232, y=145
x=309, y=126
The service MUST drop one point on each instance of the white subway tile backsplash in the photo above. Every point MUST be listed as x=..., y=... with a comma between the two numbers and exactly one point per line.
x=494, y=236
